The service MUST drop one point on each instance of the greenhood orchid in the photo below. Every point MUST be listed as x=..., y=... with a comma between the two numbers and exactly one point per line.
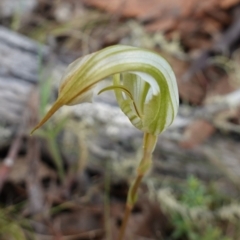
x=144, y=85
x=145, y=88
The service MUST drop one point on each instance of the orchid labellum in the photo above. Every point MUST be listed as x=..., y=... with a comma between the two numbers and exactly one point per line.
x=145, y=88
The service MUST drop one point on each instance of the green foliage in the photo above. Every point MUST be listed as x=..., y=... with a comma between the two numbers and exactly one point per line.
x=11, y=225
x=186, y=228
x=195, y=195
x=212, y=233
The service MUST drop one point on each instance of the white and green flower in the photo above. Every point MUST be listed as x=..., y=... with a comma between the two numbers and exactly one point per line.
x=144, y=84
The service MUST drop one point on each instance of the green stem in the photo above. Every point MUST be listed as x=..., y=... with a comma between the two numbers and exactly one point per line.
x=56, y=157
x=149, y=143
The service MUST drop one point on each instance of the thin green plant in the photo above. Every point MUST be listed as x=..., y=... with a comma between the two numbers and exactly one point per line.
x=51, y=130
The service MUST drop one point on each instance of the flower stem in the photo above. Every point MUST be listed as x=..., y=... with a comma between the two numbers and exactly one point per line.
x=149, y=143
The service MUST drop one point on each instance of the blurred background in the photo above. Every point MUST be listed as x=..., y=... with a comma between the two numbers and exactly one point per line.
x=69, y=181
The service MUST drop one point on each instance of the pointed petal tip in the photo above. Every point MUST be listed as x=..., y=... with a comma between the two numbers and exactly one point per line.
x=33, y=130
x=52, y=110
